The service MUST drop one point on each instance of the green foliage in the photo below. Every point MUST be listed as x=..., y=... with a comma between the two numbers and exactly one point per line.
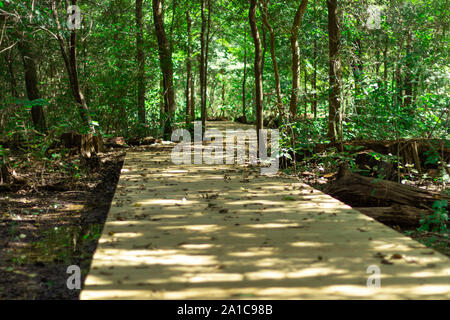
x=2, y=155
x=57, y=244
x=437, y=221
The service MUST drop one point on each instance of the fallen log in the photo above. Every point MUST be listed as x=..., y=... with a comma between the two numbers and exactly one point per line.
x=357, y=191
x=395, y=215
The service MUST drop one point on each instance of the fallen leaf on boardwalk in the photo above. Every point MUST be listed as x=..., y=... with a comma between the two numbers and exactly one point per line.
x=288, y=198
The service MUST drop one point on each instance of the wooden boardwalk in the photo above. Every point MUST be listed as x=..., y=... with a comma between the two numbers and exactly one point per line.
x=227, y=232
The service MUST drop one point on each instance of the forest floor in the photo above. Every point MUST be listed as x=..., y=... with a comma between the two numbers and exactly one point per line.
x=57, y=217
x=52, y=222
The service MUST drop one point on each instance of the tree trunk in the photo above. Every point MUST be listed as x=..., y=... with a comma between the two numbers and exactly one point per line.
x=203, y=71
x=140, y=57
x=79, y=97
x=295, y=57
x=257, y=68
x=397, y=76
x=244, y=80
x=357, y=68
x=408, y=74
x=192, y=96
x=165, y=60
x=208, y=40
x=306, y=89
x=264, y=45
x=189, y=82
x=274, y=59
x=334, y=70
x=12, y=77
x=314, y=81
x=223, y=93
x=385, y=57
x=31, y=84
x=70, y=62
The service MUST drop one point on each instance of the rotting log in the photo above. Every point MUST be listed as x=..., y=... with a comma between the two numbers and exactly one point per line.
x=395, y=215
x=357, y=190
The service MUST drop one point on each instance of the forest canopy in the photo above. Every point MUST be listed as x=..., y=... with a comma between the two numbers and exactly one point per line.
x=347, y=69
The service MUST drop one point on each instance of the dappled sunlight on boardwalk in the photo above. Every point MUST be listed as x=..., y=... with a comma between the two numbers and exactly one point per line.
x=226, y=232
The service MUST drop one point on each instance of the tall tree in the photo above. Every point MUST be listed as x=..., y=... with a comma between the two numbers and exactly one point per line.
x=314, y=79
x=244, y=80
x=295, y=57
x=408, y=73
x=140, y=57
x=257, y=67
x=31, y=84
x=165, y=61
x=190, y=112
x=70, y=60
x=274, y=58
x=334, y=43
x=203, y=66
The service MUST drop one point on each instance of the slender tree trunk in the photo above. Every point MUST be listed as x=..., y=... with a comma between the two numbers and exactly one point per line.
x=189, y=83
x=295, y=57
x=257, y=68
x=172, y=23
x=398, y=75
x=223, y=92
x=162, y=104
x=70, y=61
x=203, y=72
x=244, y=79
x=314, y=81
x=408, y=73
x=31, y=85
x=165, y=61
x=334, y=69
x=12, y=77
x=192, y=87
x=385, y=57
x=79, y=97
x=274, y=59
x=208, y=40
x=357, y=68
x=140, y=62
x=306, y=89
x=264, y=44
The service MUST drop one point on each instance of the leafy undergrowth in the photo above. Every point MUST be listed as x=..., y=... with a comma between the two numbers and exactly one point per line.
x=51, y=221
